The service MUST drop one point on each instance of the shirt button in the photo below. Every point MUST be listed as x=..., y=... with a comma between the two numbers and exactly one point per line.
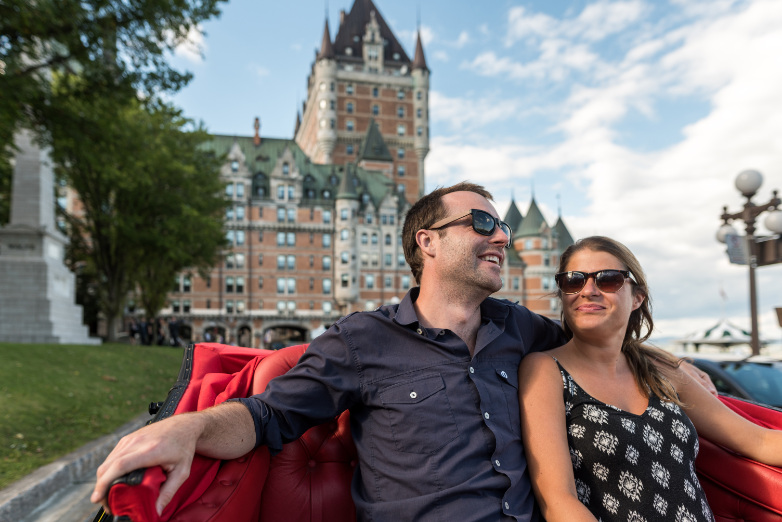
x=413, y=395
x=497, y=462
x=507, y=506
x=504, y=375
x=421, y=332
x=472, y=370
x=486, y=415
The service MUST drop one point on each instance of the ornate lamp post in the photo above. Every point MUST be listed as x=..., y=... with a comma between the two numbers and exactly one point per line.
x=769, y=252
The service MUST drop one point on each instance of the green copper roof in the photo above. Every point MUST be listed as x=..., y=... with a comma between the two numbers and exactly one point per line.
x=374, y=146
x=347, y=187
x=565, y=239
x=513, y=217
x=531, y=224
x=512, y=257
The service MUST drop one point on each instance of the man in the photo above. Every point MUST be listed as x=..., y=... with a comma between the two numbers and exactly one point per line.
x=431, y=385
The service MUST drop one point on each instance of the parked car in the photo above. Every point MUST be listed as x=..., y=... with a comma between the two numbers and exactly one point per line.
x=755, y=378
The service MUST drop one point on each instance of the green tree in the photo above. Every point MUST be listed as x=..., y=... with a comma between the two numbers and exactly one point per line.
x=147, y=189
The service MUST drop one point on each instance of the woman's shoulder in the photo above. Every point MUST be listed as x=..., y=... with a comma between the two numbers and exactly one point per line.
x=539, y=363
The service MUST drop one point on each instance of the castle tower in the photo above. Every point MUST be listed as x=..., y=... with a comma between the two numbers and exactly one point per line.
x=346, y=288
x=421, y=108
x=374, y=79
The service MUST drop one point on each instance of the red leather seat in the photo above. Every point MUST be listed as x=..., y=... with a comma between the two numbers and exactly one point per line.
x=309, y=481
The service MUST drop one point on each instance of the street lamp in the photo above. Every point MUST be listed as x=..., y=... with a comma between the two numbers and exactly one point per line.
x=766, y=252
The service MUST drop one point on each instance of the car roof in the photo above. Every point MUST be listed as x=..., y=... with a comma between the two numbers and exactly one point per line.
x=731, y=357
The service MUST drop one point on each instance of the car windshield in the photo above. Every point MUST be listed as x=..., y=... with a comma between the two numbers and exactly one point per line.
x=762, y=381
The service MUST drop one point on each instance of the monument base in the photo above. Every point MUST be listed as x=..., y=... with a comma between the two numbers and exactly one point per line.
x=37, y=297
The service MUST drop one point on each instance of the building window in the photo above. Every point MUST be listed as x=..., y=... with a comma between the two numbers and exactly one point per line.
x=528, y=244
x=322, y=86
x=208, y=282
x=260, y=305
x=239, y=263
x=322, y=123
x=405, y=282
x=291, y=236
x=312, y=283
x=240, y=307
x=280, y=306
x=400, y=129
x=390, y=219
x=369, y=219
x=261, y=192
x=388, y=282
x=240, y=237
x=326, y=240
x=388, y=239
x=234, y=166
x=545, y=280
x=400, y=170
x=240, y=190
x=554, y=305
x=344, y=234
x=327, y=216
x=175, y=306
x=364, y=238
x=400, y=112
x=419, y=131
x=291, y=285
x=418, y=95
x=349, y=107
x=400, y=260
x=350, y=125
x=326, y=194
x=229, y=236
x=344, y=214
x=260, y=259
x=345, y=257
x=260, y=236
x=332, y=86
x=326, y=307
x=388, y=259
x=280, y=285
x=312, y=258
x=349, y=88
x=515, y=283
x=375, y=110
x=322, y=104
x=364, y=259
x=345, y=280
x=229, y=306
x=291, y=214
x=544, y=244
x=332, y=123
x=281, y=192
x=375, y=92
x=326, y=262
x=384, y=219
x=546, y=261
x=229, y=261
x=229, y=285
x=400, y=153
x=400, y=94
x=239, y=285
x=370, y=306
x=260, y=283
x=281, y=215
x=375, y=260
x=327, y=286
x=291, y=262
x=280, y=238
x=208, y=304
x=240, y=212
x=186, y=284
x=349, y=150
x=374, y=239
x=229, y=214
x=333, y=104
x=419, y=112
x=291, y=192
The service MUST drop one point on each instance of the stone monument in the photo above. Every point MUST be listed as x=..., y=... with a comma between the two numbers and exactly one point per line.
x=37, y=290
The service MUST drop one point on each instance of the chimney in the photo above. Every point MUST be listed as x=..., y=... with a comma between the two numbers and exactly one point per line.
x=341, y=17
x=257, y=136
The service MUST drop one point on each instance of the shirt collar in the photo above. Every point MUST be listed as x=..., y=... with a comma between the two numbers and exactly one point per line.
x=491, y=309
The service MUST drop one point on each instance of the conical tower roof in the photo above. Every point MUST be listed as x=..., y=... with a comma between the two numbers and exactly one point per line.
x=565, y=239
x=347, y=189
x=513, y=216
x=374, y=146
x=355, y=26
x=419, y=62
x=326, y=49
x=532, y=222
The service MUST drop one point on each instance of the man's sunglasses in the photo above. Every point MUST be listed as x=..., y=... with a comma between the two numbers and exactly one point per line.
x=609, y=281
x=482, y=222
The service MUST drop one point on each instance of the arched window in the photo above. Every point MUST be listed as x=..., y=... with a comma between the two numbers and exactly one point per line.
x=365, y=198
x=374, y=239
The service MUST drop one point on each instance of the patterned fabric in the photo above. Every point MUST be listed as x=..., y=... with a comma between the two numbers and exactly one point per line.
x=635, y=468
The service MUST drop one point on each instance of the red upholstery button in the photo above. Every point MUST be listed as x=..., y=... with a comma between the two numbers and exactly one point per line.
x=312, y=464
x=353, y=463
x=241, y=459
x=226, y=482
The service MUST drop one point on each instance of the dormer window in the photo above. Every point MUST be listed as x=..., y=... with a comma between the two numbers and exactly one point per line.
x=326, y=194
x=356, y=38
x=365, y=198
x=333, y=179
x=396, y=56
x=349, y=52
x=234, y=166
x=285, y=169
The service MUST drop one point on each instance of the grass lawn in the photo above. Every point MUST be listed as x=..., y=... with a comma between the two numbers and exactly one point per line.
x=55, y=398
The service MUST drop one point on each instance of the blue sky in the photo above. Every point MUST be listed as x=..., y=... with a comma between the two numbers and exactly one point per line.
x=637, y=114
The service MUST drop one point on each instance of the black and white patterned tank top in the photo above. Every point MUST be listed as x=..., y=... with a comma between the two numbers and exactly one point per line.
x=633, y=468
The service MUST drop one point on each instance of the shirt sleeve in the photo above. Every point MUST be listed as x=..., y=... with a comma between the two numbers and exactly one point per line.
x=324, y=383
x=546, y=333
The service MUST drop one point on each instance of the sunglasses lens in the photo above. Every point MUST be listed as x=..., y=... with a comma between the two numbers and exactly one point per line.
x=610, y=281
x=506, y=229
x=571, y=282
x=483, y=223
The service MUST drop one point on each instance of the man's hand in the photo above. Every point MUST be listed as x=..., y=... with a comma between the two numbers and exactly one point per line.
x=700, y=377
x=170, y=444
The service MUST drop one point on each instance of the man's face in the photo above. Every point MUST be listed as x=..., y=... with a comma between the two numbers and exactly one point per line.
x=465, y=257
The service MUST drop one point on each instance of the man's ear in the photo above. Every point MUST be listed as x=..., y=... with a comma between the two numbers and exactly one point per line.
x=426, y=242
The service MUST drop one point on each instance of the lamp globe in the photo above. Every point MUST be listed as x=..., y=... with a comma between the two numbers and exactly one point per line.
x=725, y=230
x=748, y=182
x=773, y=221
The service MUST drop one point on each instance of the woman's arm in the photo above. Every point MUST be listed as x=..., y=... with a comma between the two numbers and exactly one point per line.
x=719, y=424
x=545, y=440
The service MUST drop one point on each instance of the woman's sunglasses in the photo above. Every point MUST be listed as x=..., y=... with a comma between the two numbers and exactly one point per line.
x=482, y=222
x=609, y=281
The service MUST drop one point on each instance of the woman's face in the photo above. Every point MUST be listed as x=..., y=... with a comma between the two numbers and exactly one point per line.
x=591, y=311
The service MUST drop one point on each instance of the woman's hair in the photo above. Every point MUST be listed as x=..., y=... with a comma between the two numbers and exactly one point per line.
x=639, y=356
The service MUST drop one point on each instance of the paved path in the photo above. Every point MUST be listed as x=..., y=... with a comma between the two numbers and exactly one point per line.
x=72, y=504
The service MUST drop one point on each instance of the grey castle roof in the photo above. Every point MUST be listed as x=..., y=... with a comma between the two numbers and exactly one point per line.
x=513, y=217
x=532, y=222
x=326, y=49
x=419, y=62
x=373, y=147
x=347, y=187
x=354, y=27
x=565, y=239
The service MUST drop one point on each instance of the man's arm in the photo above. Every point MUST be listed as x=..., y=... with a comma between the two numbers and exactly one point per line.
x=223, y=432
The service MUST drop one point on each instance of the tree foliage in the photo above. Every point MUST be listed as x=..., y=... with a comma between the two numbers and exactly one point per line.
x=150, y=197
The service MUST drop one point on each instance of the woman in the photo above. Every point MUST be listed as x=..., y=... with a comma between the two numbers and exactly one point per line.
x=621, y=444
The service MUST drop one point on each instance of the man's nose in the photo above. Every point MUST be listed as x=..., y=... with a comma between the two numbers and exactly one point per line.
x=499, y=236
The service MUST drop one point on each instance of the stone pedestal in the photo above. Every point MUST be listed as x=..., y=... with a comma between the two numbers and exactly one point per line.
x=37, y=290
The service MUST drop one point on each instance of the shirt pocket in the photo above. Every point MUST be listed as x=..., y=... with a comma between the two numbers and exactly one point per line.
x=509, y=381
x=420, y=414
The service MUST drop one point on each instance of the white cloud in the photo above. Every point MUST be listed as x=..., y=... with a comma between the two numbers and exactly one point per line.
x=258, y=70
x=191, y=47
x=461, y=112
x=441, y=55
x=427, y=36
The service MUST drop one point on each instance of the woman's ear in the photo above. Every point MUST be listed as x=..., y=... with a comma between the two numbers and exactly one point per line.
x=638, y=299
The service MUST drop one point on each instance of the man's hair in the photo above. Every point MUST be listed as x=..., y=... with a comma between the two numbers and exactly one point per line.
x=426, y=212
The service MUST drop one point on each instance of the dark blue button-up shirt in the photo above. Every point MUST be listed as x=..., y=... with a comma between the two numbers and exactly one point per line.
x=437, y=431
